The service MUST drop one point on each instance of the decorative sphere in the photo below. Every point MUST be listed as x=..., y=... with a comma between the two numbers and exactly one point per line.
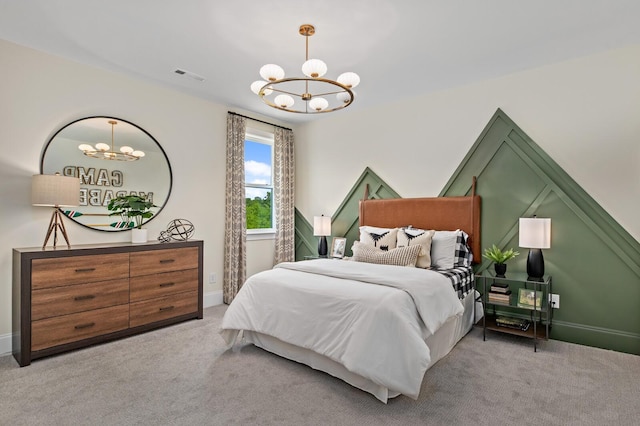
x=164, y=237
x=180, y=229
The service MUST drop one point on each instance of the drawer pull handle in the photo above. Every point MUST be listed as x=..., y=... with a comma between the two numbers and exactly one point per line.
x=167, y=260
x=167, y=284
x=87, y=325
x=166, y=308
x=85, y=297
x=85, y=269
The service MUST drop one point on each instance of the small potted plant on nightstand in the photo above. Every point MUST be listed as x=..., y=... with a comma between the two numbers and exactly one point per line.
x=499, y=258
x=133, y=209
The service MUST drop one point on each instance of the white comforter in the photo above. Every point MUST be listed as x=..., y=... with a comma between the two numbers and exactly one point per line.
x=370, y=318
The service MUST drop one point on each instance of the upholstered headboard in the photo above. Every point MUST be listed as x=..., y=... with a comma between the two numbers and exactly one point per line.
x=439, y=213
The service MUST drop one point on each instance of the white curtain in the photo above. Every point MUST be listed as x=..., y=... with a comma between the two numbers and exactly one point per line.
x=284, y=191
x=235, y=229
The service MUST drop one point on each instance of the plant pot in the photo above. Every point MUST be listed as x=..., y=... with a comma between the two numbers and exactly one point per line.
x=500, y=268
x=138, y=236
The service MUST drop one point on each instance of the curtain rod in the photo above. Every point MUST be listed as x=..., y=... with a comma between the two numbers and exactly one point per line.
x=260, y=121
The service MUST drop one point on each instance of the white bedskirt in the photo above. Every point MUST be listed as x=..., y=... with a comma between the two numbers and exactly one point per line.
x=440, y=344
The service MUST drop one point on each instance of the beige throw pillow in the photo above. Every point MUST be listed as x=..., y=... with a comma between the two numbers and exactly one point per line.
x=405, y=256
x=417, y=237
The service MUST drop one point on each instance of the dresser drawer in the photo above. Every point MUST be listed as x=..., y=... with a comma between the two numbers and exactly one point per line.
x=153, y=310
x=57, y=301
x=64, y=271
x=70, y=328
x=156, y=261
x=158, y=285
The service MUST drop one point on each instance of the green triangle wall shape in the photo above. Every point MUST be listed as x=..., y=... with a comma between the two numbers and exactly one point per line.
x=594, y=262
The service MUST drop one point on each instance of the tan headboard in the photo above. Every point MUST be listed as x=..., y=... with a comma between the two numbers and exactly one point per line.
x=439, y=213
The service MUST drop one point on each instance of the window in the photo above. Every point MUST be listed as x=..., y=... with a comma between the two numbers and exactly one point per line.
x=258, y=177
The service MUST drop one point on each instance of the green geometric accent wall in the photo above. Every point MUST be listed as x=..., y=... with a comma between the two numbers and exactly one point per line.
x=594, y=262
x=344, y=222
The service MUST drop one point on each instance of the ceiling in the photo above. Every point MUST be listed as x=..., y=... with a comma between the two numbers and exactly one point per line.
x=400, y=48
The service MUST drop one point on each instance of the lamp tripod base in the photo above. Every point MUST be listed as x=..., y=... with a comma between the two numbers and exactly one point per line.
x=54, y=224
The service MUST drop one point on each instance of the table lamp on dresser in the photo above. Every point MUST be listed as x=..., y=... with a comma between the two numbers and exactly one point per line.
x=55, y=191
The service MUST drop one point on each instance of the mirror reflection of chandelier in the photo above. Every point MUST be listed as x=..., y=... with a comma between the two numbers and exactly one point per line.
x=105, y=152
x=313, y=89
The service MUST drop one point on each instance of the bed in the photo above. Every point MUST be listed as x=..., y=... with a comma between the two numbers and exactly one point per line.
x=369, y=321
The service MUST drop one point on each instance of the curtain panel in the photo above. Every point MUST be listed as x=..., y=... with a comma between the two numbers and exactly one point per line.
x=235, y=229
x=284, y=191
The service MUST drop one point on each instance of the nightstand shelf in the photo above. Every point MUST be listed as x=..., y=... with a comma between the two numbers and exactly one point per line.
x=538, y=319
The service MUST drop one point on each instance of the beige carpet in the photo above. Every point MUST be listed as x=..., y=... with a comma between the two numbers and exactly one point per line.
x=182, y=375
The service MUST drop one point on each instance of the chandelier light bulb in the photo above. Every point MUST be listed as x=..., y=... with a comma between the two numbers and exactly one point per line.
x=314, y=68
x=343, y=97
x=86, y=147
x=283, y=101
x=102, y=147
x=259, y=84
x=138, y=154
x=271, y=72
x=126, y=149
x=318, y=104
x=349, y=79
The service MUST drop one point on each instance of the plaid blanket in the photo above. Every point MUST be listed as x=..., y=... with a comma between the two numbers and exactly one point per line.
x=461, y=277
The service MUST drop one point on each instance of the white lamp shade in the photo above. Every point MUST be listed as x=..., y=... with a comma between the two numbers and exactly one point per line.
x=271, y=72
x=126, y=149
x=535, y=232
x=259, y=84
x=102, y=146
x=314, y=68
x=343, y=97
x=283, y=101
x=321, y=226
x=55, y=190
x=349, y=79
x=318, y=104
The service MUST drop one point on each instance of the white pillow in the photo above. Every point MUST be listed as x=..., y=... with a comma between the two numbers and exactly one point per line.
x=443, y=249
x=408, y=237
x=380, y=238
x=404, y=256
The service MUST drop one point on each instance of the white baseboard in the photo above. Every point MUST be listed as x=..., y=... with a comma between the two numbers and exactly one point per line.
x=212, y=298
x=209, y=299
x=5, y=344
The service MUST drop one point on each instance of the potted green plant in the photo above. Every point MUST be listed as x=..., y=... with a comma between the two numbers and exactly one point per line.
x=133, y=209
x=499, y=258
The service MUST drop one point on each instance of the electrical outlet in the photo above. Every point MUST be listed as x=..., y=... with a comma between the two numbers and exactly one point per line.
x=212, y=278
x=555, y=300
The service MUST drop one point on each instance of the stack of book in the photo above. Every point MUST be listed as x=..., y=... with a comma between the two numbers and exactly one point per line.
x=517, y=323
x=499, y=293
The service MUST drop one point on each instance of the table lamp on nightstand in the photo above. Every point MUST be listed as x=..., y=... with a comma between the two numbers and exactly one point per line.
x=535, y=234
x=55, y=191
x=322, y=228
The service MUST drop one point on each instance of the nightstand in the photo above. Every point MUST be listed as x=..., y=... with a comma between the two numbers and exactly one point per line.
x=518, y=305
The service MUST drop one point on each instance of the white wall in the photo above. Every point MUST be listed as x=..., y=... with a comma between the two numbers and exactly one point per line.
x=584, y=113
x=40, y=93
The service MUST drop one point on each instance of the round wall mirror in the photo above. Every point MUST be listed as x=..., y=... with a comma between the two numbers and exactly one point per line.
x=126, y=161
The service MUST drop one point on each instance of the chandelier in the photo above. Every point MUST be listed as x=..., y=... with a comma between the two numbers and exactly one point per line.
x=105, y=152
x=313, y=89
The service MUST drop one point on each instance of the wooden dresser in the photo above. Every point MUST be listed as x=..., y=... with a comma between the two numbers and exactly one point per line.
x=65, y=299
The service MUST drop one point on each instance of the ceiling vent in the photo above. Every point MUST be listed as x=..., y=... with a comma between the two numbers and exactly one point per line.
x=189, y=74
